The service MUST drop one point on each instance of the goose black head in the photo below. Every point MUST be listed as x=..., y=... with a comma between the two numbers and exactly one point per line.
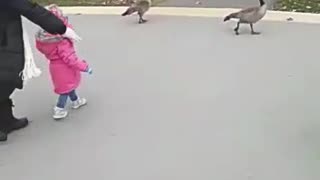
x=262, y=2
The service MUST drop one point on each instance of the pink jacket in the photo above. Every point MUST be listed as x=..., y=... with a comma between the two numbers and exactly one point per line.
x=65, y=67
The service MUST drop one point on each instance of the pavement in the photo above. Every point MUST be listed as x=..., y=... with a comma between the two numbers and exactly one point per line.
x=177, y=98
x=215, y=3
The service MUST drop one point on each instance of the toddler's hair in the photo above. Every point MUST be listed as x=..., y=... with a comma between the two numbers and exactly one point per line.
x=54, y=9
x=42, y=35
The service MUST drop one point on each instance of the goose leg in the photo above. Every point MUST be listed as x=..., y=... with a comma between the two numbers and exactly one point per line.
x=252, y=31
x=236, y=30
x=141, y=20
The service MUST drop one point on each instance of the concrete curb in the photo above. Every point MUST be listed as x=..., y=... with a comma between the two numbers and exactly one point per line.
x=195, y=12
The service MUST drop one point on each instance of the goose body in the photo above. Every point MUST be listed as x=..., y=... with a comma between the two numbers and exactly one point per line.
x=248, y=16
x=139, y=6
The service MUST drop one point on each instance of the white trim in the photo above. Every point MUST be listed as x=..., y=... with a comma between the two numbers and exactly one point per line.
x=193, y=12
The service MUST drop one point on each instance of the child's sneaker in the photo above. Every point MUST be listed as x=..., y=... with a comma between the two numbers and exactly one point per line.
x=78, y=103
x=59, y=113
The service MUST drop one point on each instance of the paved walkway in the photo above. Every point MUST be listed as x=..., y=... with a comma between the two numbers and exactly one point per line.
x=215, y=3
x=178, y=99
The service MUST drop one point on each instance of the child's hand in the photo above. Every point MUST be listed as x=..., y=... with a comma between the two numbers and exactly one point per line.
x=88, y=70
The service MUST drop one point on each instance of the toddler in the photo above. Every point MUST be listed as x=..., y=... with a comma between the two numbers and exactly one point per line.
x=64, y=65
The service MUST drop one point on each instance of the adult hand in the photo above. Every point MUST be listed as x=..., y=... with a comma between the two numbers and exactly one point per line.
x=71, y=34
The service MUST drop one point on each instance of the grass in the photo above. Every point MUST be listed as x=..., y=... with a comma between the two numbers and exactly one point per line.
x=308, y=6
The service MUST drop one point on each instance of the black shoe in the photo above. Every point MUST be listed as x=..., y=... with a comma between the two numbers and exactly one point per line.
x=18, y=124
x=14, y=123
x=3, y=136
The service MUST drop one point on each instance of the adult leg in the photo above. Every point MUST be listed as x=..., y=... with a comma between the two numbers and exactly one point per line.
x=5, y=92
x=8, y=122
x=15, y=123
x=4, y=119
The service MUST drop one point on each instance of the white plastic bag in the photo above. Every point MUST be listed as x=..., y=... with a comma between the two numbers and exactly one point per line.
x=30, y=69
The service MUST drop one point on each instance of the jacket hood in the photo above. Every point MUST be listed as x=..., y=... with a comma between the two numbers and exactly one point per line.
x=43, y=36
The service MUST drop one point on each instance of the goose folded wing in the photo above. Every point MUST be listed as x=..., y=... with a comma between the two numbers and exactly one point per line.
x=249, y=10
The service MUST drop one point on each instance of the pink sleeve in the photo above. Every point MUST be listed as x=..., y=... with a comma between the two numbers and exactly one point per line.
x=68, y=55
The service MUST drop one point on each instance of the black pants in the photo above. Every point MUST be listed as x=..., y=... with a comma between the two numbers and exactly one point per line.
x=5, y=105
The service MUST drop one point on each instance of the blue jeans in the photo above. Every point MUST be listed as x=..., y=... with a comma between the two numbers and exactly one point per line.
x=64, y=97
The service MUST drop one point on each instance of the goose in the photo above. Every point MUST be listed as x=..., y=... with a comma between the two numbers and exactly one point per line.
x=249, y=15
x=140, y=6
